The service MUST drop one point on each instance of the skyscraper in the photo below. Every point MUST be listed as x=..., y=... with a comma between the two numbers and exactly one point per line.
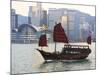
x=14, y=19
x=35, y=14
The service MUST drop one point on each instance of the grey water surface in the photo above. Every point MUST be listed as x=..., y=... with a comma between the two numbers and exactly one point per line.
x=26, y=59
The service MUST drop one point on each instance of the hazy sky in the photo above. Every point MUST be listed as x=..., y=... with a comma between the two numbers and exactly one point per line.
x=23, y=7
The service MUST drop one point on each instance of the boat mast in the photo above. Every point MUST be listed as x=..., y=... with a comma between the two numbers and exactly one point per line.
x=68, y=25
x=55, y=47
x=55, y=42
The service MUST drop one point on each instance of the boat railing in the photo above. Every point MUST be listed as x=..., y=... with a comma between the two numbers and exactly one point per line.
x=76, y=46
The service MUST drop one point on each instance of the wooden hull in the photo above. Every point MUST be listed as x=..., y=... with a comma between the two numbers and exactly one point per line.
x=71, y=54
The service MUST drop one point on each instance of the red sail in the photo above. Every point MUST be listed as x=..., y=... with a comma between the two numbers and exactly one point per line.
x=59, y=34
x=89, y=40
x=43, y=40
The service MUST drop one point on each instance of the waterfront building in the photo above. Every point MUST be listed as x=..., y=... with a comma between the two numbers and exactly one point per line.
x=25, y=34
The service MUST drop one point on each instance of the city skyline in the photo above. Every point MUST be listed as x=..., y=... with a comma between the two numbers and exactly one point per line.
x=23, y=7
x=74, y=22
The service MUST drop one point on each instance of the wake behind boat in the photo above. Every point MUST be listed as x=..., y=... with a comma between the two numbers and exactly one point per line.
x=69, y=52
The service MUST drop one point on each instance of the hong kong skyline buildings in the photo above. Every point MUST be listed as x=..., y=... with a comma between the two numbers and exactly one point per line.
x=76, y=23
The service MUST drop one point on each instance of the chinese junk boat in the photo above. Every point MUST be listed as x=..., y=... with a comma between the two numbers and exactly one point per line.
x=69, y=52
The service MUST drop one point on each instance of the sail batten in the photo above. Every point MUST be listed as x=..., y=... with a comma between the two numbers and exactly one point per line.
x=43, y=40
x=59, y=34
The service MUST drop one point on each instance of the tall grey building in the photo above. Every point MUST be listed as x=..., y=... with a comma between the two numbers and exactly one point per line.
x=14, y=19
x=54, y=16
x=37, y=16
x=44, y=17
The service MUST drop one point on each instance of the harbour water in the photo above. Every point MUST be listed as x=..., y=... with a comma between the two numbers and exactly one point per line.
x=26, y=59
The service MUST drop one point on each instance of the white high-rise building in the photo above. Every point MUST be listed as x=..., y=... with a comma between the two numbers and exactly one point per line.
x=82, y=23
x=35, y=14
